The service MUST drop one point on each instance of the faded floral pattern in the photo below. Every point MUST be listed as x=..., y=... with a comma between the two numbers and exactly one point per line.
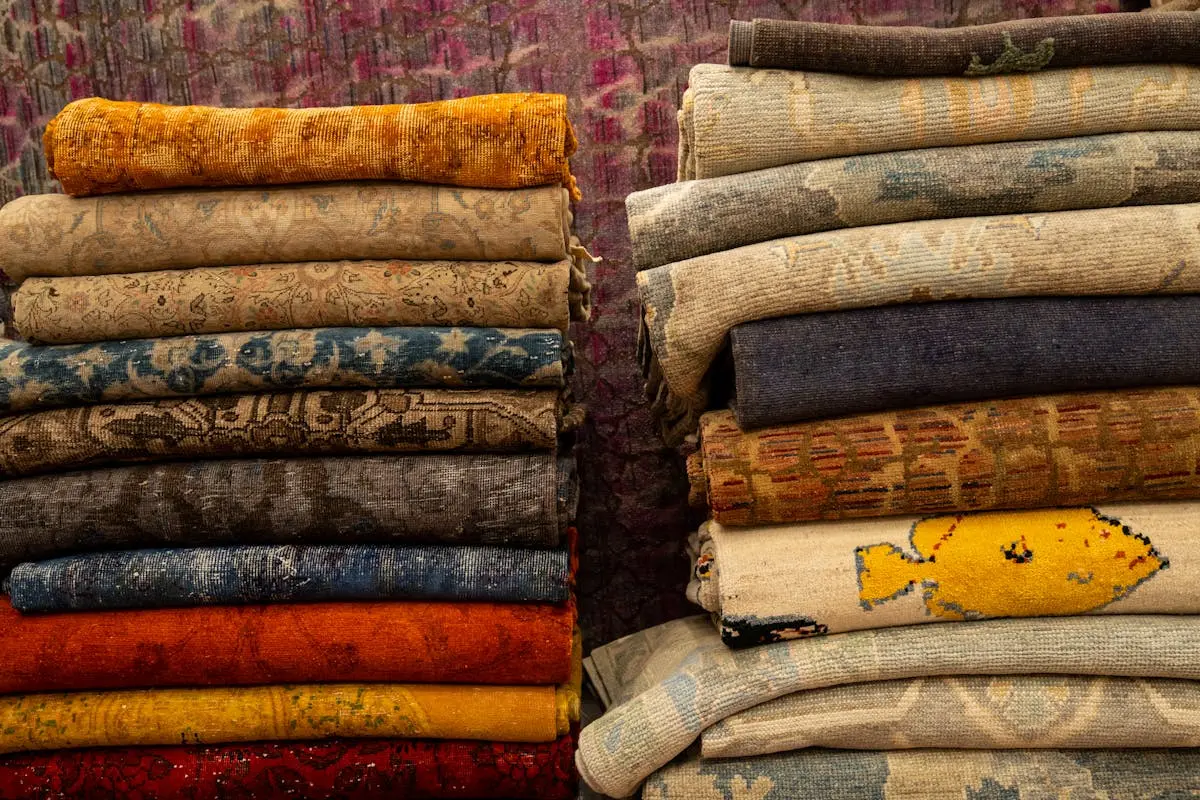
x=623, y=65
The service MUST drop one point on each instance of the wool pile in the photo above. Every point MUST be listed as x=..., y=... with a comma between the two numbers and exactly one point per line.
x=286, y=453
x=921, y=312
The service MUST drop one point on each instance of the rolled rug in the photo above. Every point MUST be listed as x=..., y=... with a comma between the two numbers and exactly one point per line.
x=933, y=775
x=1037, y=452
x=364, y=642
x=835, y=363
x=1020, y=45
x=736, y=119
x=790, y=581
x=215, y=715
x=972, y=712
x=34, y=378
x=356, y=294
x=683, y=220
x=666, y=685
x=290, y=574
x=515, y=500
x=690, y=306
x=349, y=769
x=498, y=141
x=347, y=422
x=56, y=235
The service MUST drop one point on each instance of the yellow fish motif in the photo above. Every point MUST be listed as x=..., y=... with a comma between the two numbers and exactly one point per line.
x=1011, y=564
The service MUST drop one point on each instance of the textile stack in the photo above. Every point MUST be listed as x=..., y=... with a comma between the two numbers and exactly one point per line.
x=288, y=482
x=930, y=300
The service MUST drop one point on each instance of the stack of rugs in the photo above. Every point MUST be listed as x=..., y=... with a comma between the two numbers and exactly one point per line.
x=288, y=487
x=946, y=284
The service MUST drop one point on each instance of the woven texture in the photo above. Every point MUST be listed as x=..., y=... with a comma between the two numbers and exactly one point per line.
x=1026, y=45
x=288, y=574
x=737, y=119
x=65, y=375
x=523, y=500
x=690, y=306
x=364, y=294
x=695, y=681
x=1038, y=452
x=286, y=713
x=694, y=218
x=313, y=423
x=849, y=362
x=347, y=769
x=935, y=775
x=972, y=712
x=791, y=581
x=503, y=141
x=56, y=235
x=418, y=642
x=293, y=53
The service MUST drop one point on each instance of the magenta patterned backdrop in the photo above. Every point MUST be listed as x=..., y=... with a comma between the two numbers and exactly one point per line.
x=622, y=63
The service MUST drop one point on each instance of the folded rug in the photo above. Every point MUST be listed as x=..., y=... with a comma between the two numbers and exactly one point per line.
x=849, y=362
x=483, y=294
x=346, y=769
x=694, y=218
x=518, y=500
x=670, y=683
x=287, y=713
x=790, y=581
x=934, y=775
x=736, y=119
x=691, y=305
x=498, y=141
x=53, y=234
x=1022, y=45
x=290, y=574
x=349, y=422
x=65, y=375
x=416, y=642
x=972, y=712
x=1038, y=452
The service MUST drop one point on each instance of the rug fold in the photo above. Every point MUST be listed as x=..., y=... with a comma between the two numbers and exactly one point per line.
x=683, y=220
x=1037, y=452
x=33, y=377
x=736, y=119
x=771, y=583
x=55, y=235
x=683, y=680
x=215, y=715
x=798, y=368
x=517, y=500
x=323, y=294
x=499, y=141
x=335, y=423
x=1022, y=45
x=933, y=775
x=245, y=574
x=366, y=642
x=348, y=769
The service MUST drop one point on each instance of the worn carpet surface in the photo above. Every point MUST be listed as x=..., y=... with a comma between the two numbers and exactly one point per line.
x=347, y=422
x=1036, y=452
x=417, y=642
x=339, y=769
x=516, y=500
x=1028, y=45
x=502, y=141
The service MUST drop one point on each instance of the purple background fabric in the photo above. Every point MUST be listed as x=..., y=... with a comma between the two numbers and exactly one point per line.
x=622, y=63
